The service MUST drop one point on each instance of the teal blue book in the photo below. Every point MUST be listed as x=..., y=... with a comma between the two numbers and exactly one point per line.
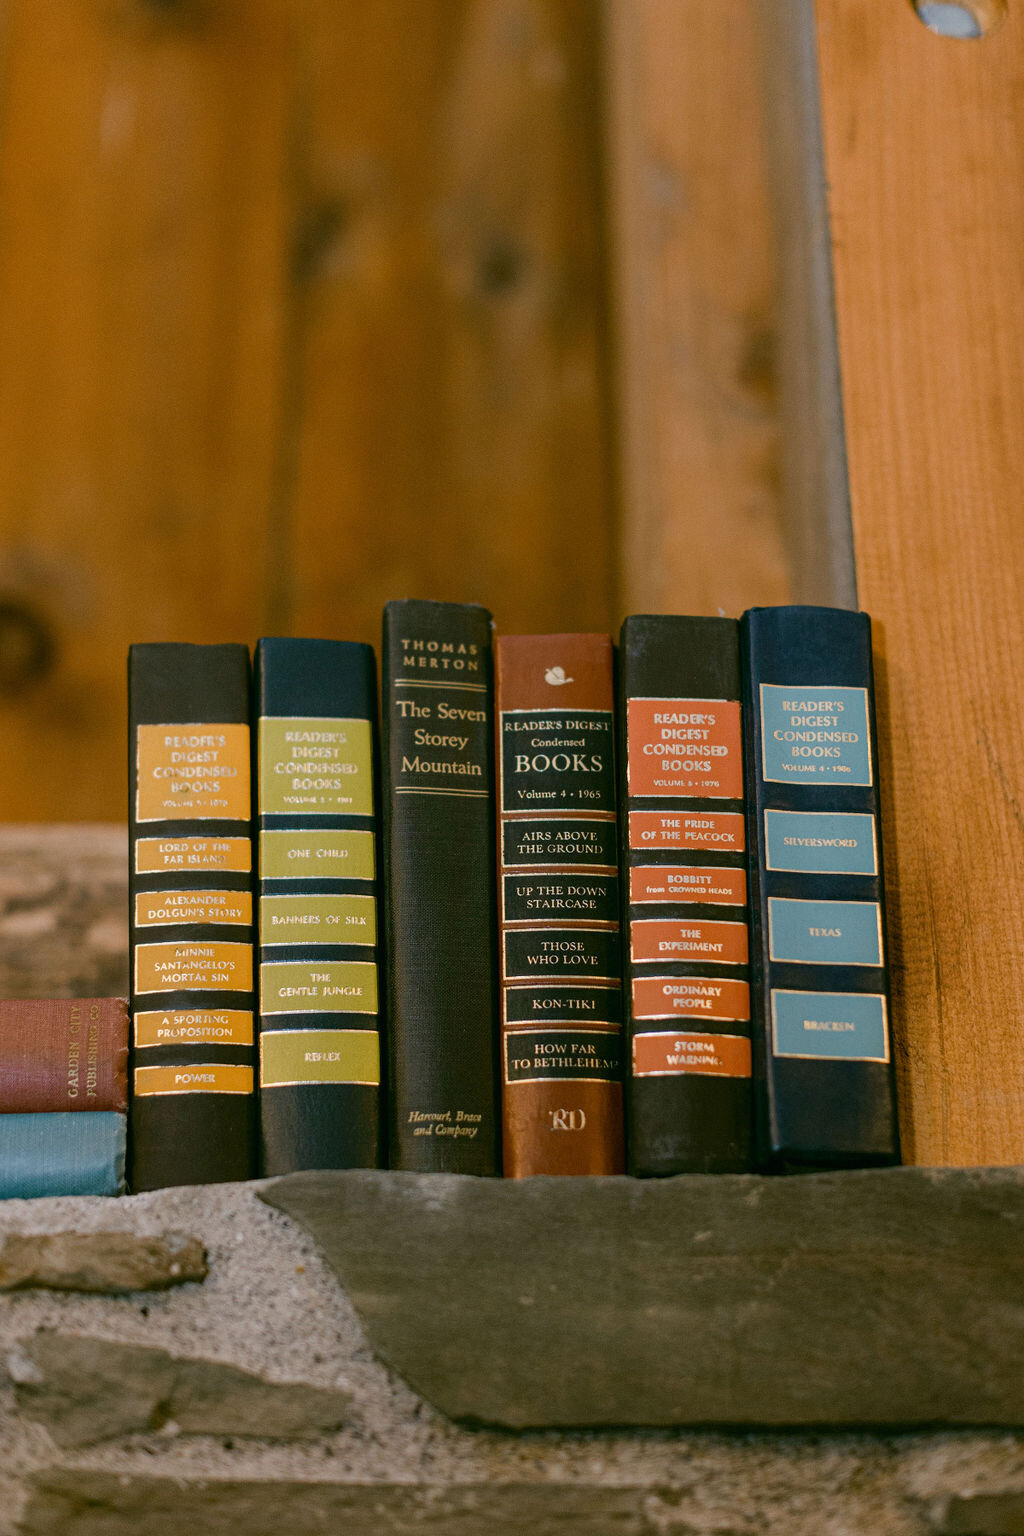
x=67, y=1154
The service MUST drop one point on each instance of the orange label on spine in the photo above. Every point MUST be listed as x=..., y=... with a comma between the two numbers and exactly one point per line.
x=195, y=967
x=672, y=939
x=192, y=772
x=193, y=1026
x=212, y=1077
x=695, y=997
x=685, y=748
x=719, y=830
x=682, y=882
x=161, y=855
x=160, y=908
x=666, y=1055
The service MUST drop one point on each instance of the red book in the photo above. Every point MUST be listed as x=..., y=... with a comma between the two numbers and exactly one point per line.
x=561, y=966
x=61, y=1054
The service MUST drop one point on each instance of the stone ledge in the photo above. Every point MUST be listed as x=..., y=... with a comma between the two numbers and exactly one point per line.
x=887, y=1297
x=271, y=1306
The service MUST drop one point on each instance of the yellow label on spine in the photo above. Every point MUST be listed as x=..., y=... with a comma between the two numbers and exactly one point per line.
x=318, y=986
x=166, y=855
x=322, y=855
x=160, y=908
x=292, y=1056
x=193, y=1026
x=315, y=767
x=193, y=967
x=192, y=773
x=212, y=1077
x=318, y=920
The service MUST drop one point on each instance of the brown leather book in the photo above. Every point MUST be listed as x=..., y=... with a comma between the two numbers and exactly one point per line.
x=61, y=1054
x=561, y=983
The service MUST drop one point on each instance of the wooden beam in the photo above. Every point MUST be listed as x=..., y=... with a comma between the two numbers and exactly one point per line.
x=694, y=263
x=924, y=152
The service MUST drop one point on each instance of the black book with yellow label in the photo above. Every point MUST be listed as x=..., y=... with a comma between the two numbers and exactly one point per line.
x=319, y=1036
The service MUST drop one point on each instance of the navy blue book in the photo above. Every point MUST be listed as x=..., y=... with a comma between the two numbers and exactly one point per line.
x=820, y=994
x=62, y=1154
x=319, y=1025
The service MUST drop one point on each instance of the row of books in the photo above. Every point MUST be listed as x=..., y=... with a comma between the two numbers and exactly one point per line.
x=601, y=921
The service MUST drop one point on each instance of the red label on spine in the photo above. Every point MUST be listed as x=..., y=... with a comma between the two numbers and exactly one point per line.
x=667, y=1055
x=685, y=748
x=680, y=939
x=708, y=997
x=720, y=830
x=683, y=882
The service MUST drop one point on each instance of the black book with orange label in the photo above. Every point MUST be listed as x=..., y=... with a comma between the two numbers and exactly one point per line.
x=687, y=994
x=191, y=893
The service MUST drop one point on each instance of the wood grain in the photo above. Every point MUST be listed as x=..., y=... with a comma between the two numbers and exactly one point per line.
x=453, y=439
x=695, y=290
x=303, y=309
x=141, y=179
x=924, y=144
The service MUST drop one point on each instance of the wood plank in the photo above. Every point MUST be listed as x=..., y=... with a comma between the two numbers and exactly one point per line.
x=924, y=146
x=141, y=181
x=303, y=308
x=453, y=432
x=695, y=291
x=815, y=484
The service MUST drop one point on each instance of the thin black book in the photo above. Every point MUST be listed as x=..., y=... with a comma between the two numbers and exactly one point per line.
x=823, y=1047
x=440, y=888
x=192, y=933
x=319, y=1035
x=687, y=993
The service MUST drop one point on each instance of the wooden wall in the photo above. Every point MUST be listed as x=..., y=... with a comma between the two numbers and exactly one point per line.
x=303, y=306
x=924, y=153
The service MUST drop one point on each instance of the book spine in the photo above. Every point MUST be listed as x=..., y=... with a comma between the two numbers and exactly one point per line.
x=62, y=1154
x=64, y=1054
x=440, y=902
x=821, y=992
x=319, y=1035
x=560, y=953
x=192, y=935
x=689, y=1093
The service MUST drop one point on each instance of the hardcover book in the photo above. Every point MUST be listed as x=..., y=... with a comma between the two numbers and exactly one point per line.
x=440, y=907
x=821, y=992
x=192, y=934
x=62, y=1154
x=689, y=1083
x=558, y=894
x=319, y=1035
x=63, y=1054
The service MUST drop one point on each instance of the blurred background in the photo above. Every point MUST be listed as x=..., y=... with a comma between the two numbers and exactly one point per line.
x=308, y=304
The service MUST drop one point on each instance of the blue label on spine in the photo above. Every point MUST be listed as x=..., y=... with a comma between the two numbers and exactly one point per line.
x=815, y=735
x=839, y=1026
x=820, y=843
x=825, y=932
